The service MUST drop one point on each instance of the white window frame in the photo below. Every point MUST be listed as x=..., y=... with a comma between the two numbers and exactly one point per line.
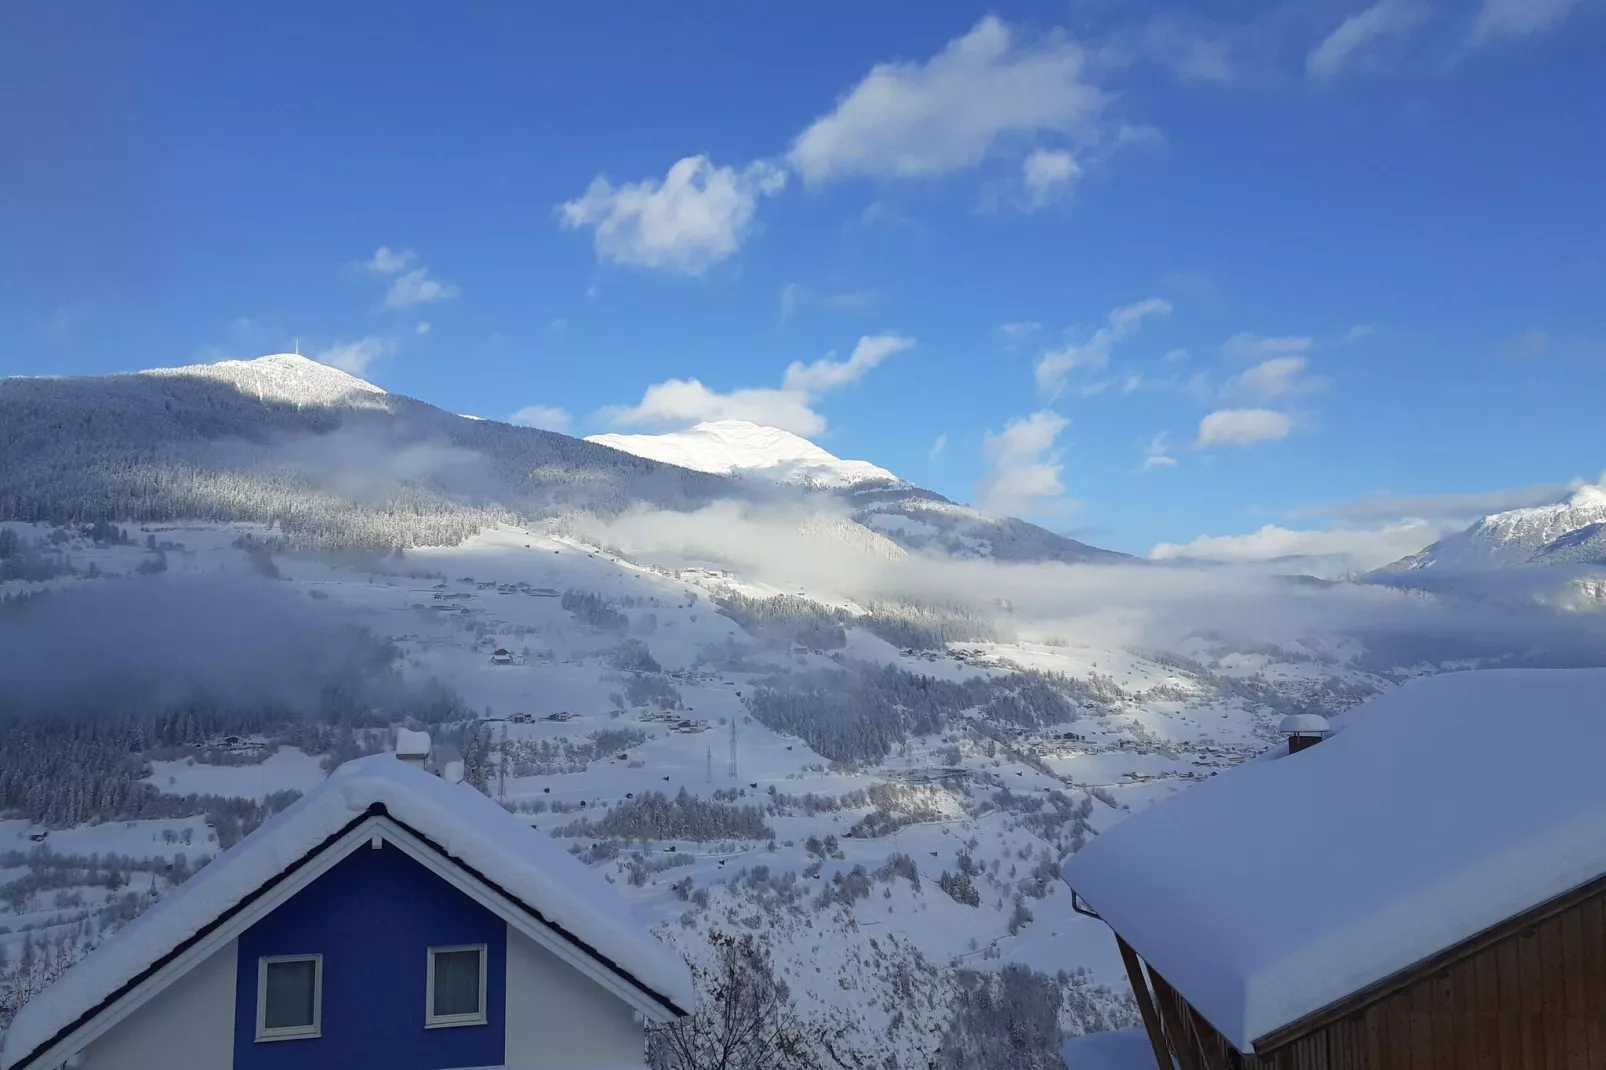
x=448, y=1021
x=289, y=1032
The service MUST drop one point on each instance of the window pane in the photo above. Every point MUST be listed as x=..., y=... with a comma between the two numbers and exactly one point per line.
x=291, y=989
x=457, y=982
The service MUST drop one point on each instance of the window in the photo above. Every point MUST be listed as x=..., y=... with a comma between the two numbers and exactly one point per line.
x=289, y=997
x=456, y=987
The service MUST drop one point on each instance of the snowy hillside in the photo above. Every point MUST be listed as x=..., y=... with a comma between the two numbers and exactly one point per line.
x=1569, y=531
x=883, y=790
x=727, y=446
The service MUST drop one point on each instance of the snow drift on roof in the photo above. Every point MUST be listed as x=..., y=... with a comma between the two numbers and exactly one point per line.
x=1432, y=813
x=412, y=743
x=468, y=826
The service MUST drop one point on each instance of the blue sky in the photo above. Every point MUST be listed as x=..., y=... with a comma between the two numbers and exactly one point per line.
x=1146, y=273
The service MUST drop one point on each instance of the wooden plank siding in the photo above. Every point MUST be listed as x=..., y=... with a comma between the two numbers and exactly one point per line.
x=1529, y=994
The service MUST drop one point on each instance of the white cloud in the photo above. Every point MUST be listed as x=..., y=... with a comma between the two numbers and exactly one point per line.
x=423, y=327
x=354, y=357
x=1386, y=18
x=681, y=402
x=697, y=216
x=387, y=261
x=1458, y=508
x=1176, y=354
x=1049, y=175
x=1531, y=346
x=1243, y=427
x=792, y=296
x=1055, y=366
x=910, y=120
x=1157, y=454
x=1275, y=378
x=1327, y=552
x=1517, y=18
x=1019, y=329
x=1360, y=332
x=546, y=417
x=938, y=446
x=1247, y=346
x=416, y=288
x=826, y=374
x=1025, y=472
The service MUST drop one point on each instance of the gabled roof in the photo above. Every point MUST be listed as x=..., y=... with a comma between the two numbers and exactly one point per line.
x=1432, y=813
x=502, y=856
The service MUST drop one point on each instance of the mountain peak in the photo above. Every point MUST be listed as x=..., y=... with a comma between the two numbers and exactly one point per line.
x=728, y=446
x=287, y=377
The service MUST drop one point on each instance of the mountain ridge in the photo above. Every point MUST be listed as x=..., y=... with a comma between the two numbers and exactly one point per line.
x=336, y=461
x=1571, y=531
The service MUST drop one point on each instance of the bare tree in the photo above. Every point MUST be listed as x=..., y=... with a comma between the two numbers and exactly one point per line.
x=746, y=1021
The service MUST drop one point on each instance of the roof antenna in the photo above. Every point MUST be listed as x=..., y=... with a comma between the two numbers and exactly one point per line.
x=298, y=347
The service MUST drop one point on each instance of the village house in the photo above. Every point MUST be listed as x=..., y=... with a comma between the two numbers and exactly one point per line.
x=1420, y=884
x=390, y=919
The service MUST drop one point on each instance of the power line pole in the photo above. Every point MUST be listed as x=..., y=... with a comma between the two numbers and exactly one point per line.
x=710, y=765
x=733, y=749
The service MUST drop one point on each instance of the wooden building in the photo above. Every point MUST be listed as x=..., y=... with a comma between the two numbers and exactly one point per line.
x=1423, y=888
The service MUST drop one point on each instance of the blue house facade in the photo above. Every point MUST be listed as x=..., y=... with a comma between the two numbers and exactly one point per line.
x=371, y=921
x=387, y=920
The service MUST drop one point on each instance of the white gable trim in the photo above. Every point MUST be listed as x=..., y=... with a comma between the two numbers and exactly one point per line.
x=375, y=826
x=541, y=934
x=203, y=949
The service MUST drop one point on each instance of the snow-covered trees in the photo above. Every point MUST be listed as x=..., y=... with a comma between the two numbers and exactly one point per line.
x=860, y=711
x=594, y=611
x=656, y=816
x=1009, y=1018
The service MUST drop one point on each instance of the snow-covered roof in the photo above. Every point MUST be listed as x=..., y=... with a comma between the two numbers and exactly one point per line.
x=411, y=743
x=1113, y=1049
x=1431, y=813
x=469, y=827
x=1305, y=724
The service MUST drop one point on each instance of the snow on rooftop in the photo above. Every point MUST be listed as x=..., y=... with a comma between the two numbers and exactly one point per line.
x=1305, y=724
x=466, y=824
x=412, y=744
x=1430, y=814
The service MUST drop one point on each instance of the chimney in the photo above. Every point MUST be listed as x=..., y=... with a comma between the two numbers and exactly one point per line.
x=412, y=747
x=1304, y=730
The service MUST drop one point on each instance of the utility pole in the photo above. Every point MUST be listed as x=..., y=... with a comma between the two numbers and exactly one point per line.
x=733, y=749
x=710, y=765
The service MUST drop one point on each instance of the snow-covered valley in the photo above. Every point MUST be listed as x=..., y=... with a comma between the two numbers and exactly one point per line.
x=859, y=722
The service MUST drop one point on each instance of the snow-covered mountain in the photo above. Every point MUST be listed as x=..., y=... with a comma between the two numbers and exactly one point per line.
x=285, y=377
x=739, y=446
x=336, y=461
x=913, y=517
x=1572, y=531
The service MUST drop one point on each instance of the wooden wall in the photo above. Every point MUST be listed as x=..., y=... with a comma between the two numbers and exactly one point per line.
x=1528, y=995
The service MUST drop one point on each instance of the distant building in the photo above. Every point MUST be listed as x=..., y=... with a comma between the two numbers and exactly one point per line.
x=500, y=656
x=1419, y=884
x=389, y=919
